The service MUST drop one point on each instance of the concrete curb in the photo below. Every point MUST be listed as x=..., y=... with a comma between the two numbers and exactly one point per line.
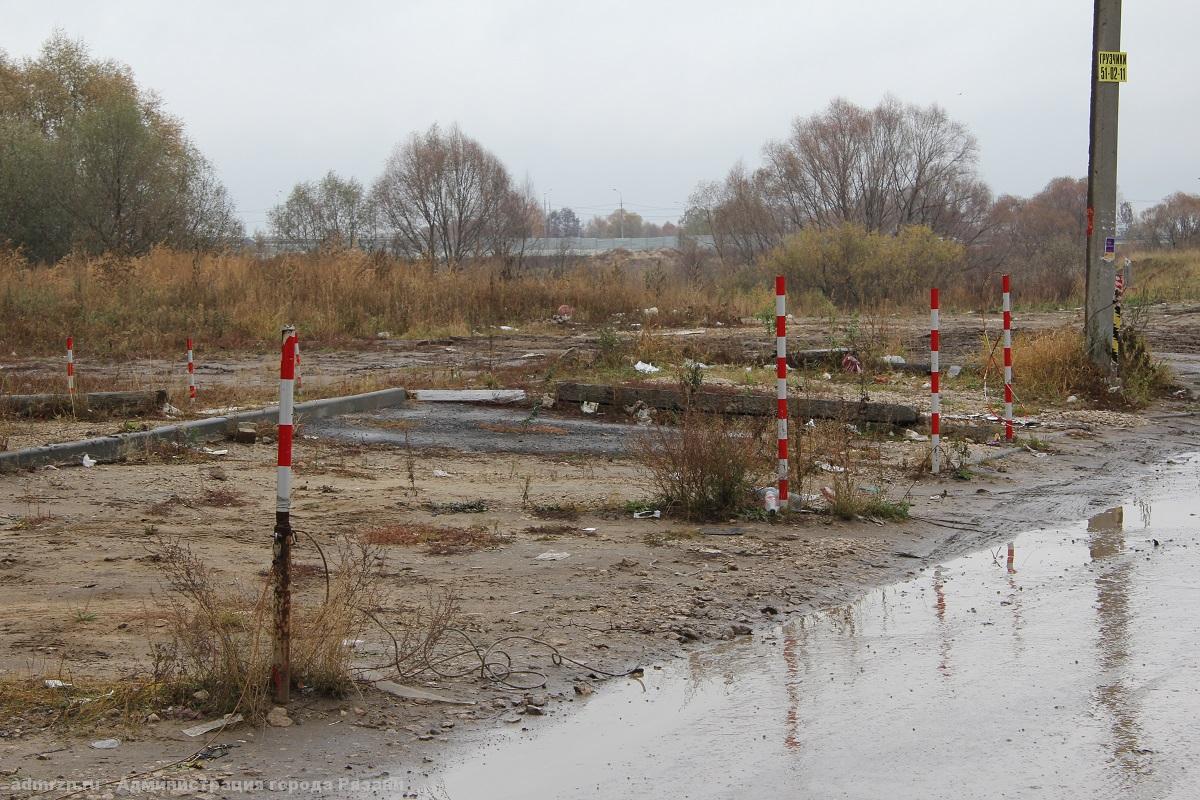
x=115, y=448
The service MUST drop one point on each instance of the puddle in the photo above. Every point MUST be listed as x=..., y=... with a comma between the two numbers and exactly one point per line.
x=1062, y=665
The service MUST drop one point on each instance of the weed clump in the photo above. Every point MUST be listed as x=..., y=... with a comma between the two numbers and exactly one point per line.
x=707, y=467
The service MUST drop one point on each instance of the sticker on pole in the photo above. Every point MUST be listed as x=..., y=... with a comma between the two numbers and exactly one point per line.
x=1110, y=249
x=1112, y=66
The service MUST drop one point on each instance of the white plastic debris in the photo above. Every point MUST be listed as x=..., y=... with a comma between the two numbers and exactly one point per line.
x=507, y=328
x=88, y=461
x=106, y=744
x=913, y=436
x=644, y=416
x=54, y=683
x=812, y=423
x=825, y=466
x=213, y=452
x=551, y=556
x=652, y=311
x=894, y=361
x=954, y=371
x=647, y=514
x=588, y=530
x=770, y=497
x=645, y=369
x=588, y=407
x=170, y=410
x=690, y=364
x=827, y=376
x=441, y=473
x=1072, y=399
x=227, y=721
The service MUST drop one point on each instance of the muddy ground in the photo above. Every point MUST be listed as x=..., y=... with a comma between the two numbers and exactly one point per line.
x=82, y=596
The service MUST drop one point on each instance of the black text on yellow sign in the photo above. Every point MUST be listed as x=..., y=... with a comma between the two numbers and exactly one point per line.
x=1112, y=67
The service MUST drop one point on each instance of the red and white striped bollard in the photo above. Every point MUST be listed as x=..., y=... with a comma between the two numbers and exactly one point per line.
x=1008, y=392
x=283, y=537
x=191, y=372
x=781, y=398
x=935, y=394
x=71, y=366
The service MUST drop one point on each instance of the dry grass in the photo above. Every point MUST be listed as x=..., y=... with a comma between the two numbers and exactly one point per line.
x=1165, y=275
x=437, y=539
x=149, y=304
x=222, y=639
x=1048, y=366
x=708, y=467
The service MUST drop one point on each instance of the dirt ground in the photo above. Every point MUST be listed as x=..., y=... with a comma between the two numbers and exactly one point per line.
x=83, y=596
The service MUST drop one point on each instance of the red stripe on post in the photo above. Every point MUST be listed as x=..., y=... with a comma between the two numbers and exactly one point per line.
x=1004, y=283
x=933, y=298
x=935, y=339
x=287, y=364
x=781, y=368
x=1008, y=395
x=780, y=285
x=783, y=448
x=935, y=379
x=935, y=424
x=781, y=408
x=1007, y=319
x=285, y=446
x=781, y=326
x=70, y=342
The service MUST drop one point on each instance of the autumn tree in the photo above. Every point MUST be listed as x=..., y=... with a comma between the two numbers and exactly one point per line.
x=1175, y=222
x=563, y=222
x=93, y=162
x=332, y=210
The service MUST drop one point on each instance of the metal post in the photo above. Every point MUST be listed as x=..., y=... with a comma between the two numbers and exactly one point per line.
x=1102, y=186
x=191, y=373
x=781, y=398
x=1005, y=287
x=935, y=393
x=281, y=667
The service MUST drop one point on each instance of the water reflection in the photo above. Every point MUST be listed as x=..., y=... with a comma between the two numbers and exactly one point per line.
x=1114, y=575
x=939, y=591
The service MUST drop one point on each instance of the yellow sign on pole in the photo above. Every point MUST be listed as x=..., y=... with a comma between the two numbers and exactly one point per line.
x=1112, y=67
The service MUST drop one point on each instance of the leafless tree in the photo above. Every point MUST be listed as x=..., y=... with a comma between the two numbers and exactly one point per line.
x=442, y=196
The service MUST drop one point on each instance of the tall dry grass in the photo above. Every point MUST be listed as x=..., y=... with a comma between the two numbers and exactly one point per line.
x=150, y=304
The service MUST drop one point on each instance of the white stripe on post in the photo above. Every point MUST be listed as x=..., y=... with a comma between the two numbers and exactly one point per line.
x=1008, y=392
x=191, y=372
x=781, y=410
x=935, y=395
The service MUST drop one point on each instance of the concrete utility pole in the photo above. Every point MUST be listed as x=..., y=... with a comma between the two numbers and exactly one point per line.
x=621, y=198
x=1102, y=180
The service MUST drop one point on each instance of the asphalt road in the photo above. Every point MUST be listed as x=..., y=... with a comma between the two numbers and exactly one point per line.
x=1062, y=666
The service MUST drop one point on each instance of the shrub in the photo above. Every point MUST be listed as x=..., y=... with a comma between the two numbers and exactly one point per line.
x=709, y=466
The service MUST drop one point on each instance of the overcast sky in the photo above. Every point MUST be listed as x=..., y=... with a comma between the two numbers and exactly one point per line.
x=645, y=97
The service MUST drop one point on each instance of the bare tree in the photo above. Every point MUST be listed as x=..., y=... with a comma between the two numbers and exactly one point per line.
x=442, y=196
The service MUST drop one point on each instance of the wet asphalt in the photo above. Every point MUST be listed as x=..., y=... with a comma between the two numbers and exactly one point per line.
x=480, y=429
x=1059, y=665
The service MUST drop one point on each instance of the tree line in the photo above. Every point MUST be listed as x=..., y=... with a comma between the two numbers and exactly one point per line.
x=90, y=162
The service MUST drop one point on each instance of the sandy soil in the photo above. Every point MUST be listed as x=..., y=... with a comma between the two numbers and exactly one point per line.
x=82, y=599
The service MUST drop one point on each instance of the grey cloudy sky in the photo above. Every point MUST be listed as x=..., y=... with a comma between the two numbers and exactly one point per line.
x=646, y=97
